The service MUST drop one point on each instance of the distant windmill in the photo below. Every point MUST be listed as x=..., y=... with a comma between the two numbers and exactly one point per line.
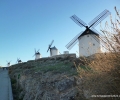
x=53, y=50
x=8, y=63
x=89, y=42
x=37, y=55
x=19, y=61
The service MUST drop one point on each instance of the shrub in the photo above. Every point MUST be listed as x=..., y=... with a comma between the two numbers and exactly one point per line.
x=103, y=76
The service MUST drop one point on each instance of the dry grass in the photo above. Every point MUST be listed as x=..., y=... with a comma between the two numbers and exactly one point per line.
x=103, y=78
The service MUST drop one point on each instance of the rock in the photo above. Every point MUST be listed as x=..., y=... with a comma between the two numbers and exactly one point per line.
x=48, y=79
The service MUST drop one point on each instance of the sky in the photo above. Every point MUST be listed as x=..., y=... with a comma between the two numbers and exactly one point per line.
x=29, y=24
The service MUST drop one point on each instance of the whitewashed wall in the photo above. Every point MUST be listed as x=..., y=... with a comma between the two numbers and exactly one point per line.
x=37, y=56
x=8, y=65
x=54, y=52
x=88, y=45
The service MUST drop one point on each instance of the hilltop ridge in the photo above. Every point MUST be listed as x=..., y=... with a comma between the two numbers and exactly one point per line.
x=63, y=78
x=45, y=78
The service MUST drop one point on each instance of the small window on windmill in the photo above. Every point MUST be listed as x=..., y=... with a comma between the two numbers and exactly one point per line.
x=93, y=44
x=87, y=35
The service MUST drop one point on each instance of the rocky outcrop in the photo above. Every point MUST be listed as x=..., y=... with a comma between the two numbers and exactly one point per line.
x=46, y=79
x=63, y=78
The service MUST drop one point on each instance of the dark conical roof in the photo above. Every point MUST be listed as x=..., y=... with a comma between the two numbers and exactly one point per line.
x=54, y=48
x=88, y=31
x=37, y=53
x=19, y=60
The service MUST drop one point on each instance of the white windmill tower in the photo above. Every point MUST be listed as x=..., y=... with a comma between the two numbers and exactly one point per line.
x=37, y=55
x=89, y=42
x=8, y=63
x=53, y=50
x=19, y=61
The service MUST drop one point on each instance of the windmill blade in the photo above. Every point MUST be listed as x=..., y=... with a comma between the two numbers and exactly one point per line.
x=38, y=50
x=98, y=21
x=33, y=55
x=48, y=48
x=94, y=30
x=73, y=41
x=17, y=59
x=7, y=61
x=99, y=18
x=70, y=46
x=78, y=21
x=10, y=61
x=35, y=50
x=75, y=38
x=51, y=43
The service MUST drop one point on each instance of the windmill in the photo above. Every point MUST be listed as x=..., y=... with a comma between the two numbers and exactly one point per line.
x=53, y=50
x=89, y=42
x=18, y=60
x=8, y=63
x=37, y=54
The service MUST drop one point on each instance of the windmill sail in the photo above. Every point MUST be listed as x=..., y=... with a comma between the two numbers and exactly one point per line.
x=73, y=41
x=50, y=45
x=36, y=52
x=99, y=18
x=92, y=24
x=78, y=21
x=52, y=42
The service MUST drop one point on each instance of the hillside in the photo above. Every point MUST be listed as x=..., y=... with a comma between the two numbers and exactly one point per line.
x=62, y=78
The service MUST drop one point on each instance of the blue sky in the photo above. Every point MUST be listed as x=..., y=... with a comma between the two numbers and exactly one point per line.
x=29, y=24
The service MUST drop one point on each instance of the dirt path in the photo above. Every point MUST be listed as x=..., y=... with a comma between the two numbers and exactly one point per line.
x=5, y=87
